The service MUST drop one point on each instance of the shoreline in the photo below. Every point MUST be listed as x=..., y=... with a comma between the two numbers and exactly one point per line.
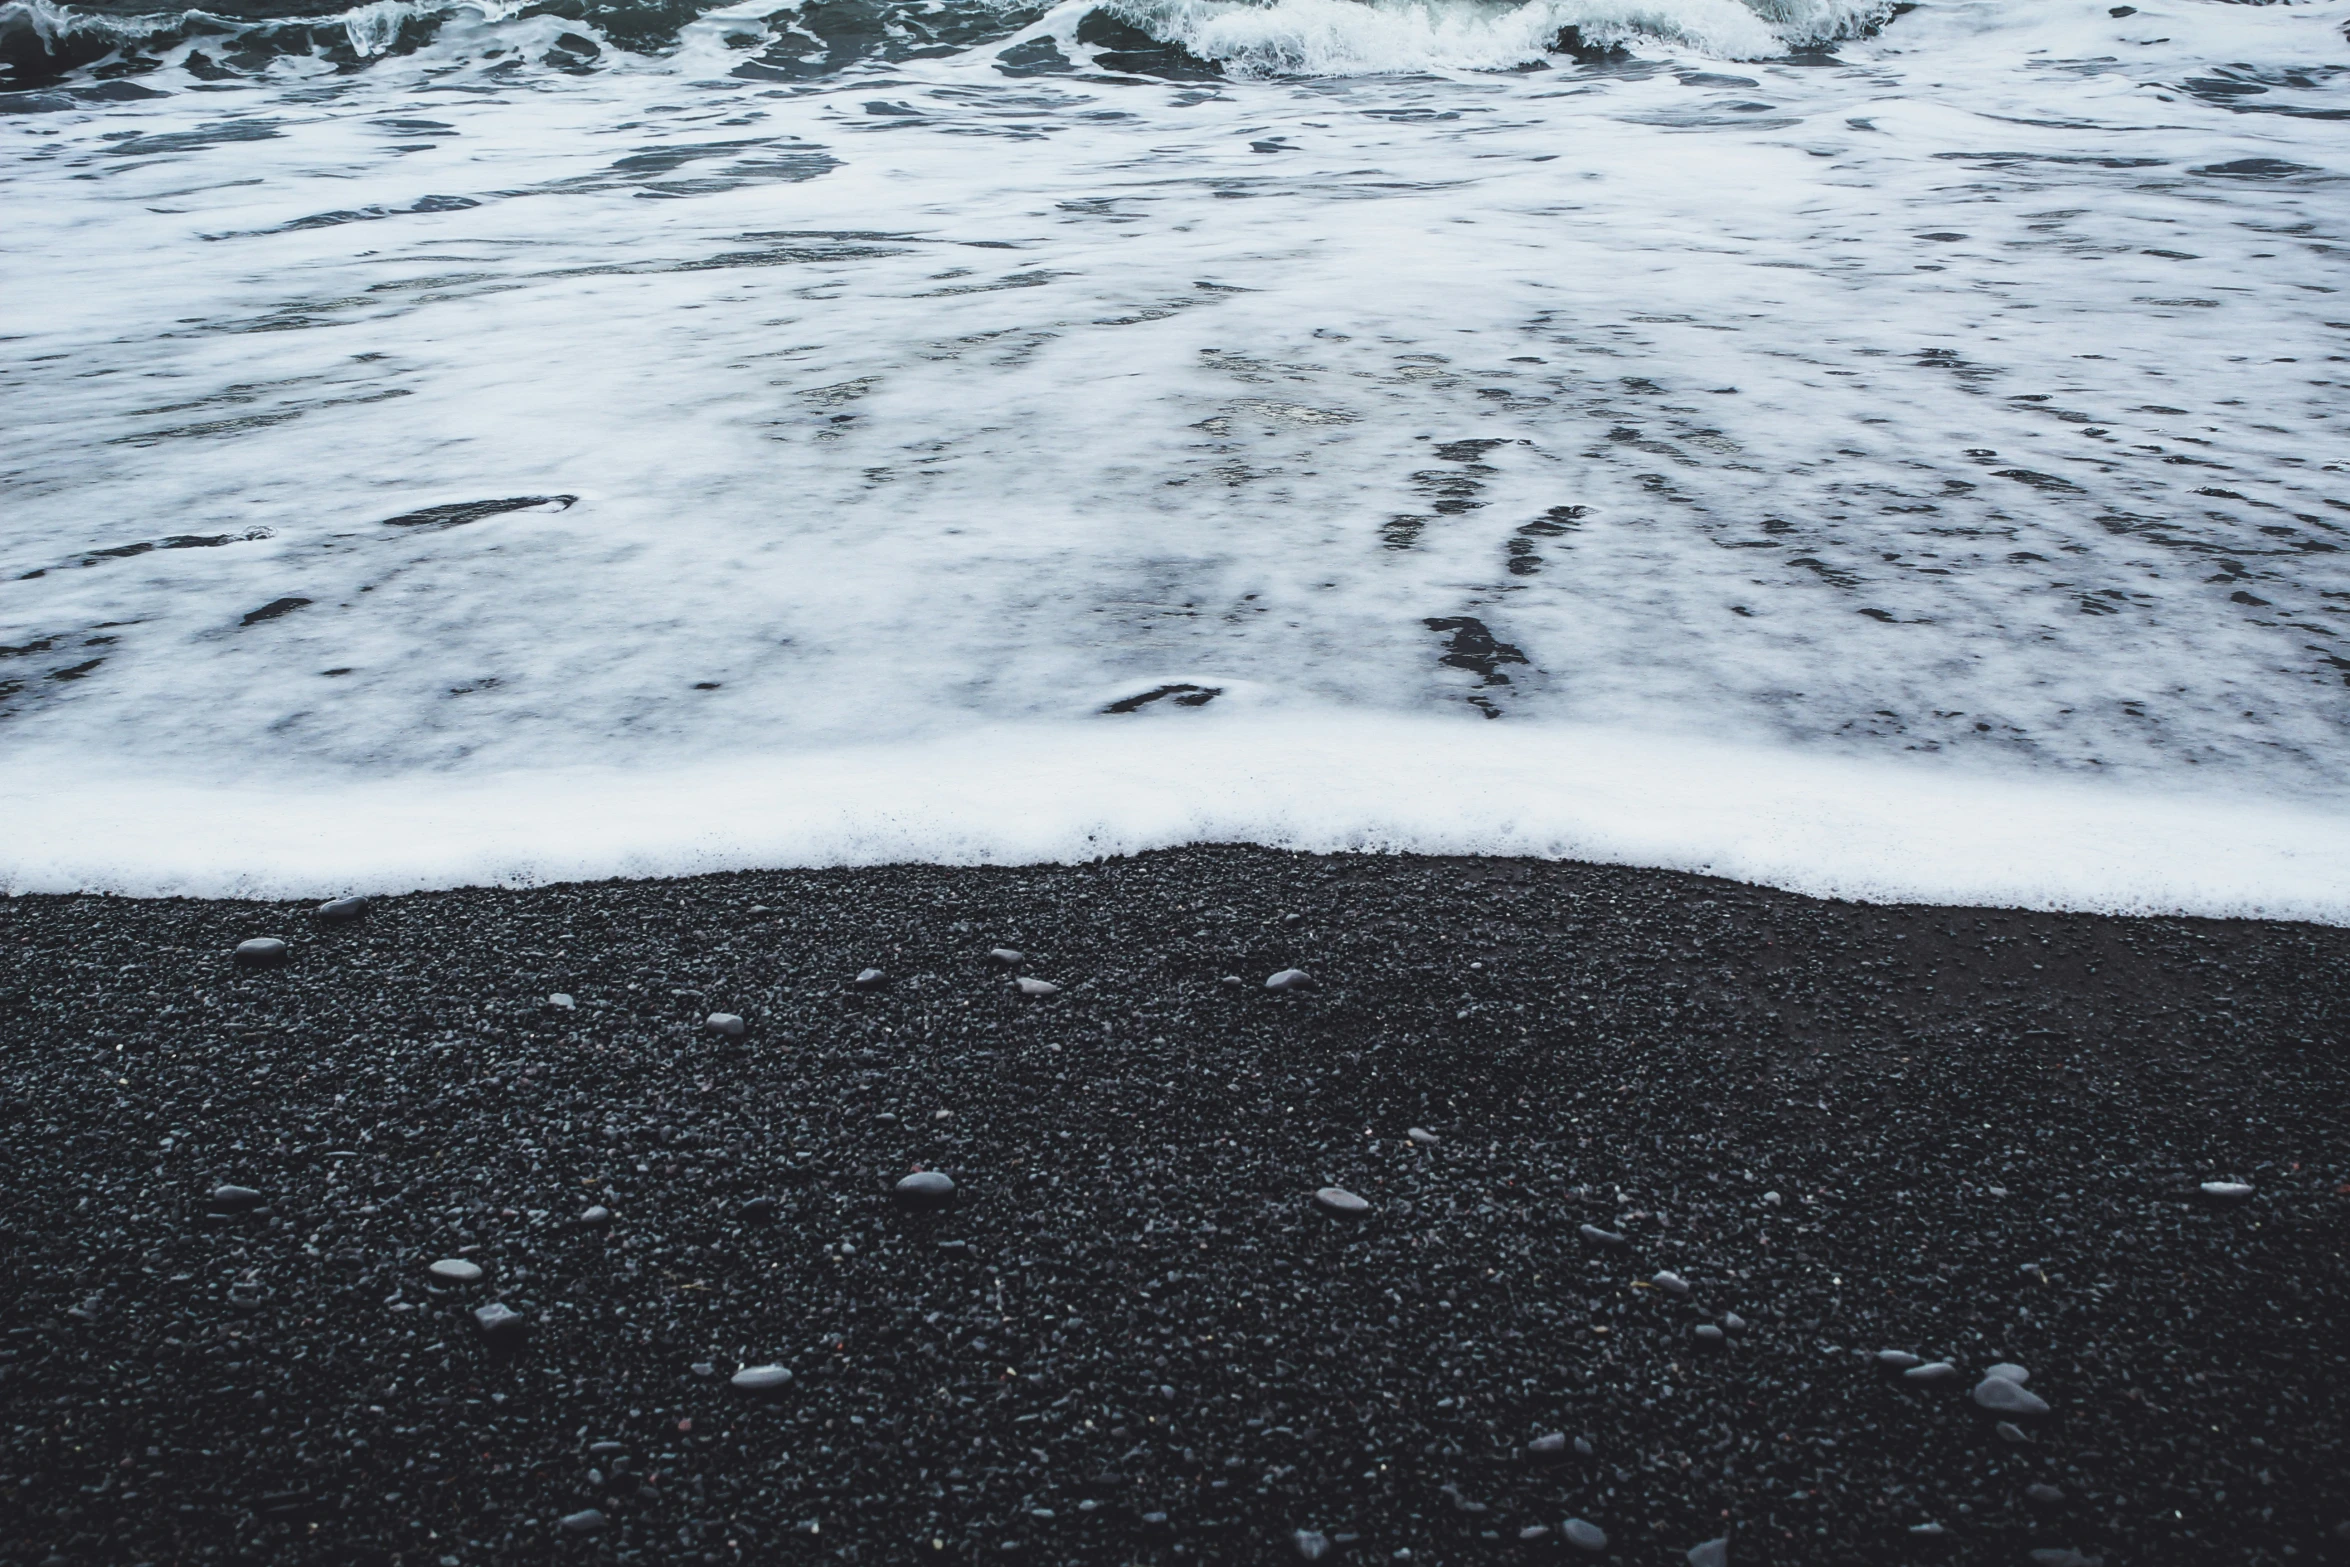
x=1135, y=1337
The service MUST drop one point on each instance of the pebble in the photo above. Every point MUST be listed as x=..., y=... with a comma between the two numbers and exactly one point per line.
x=1896, y=1359
x=1927, y=1529
x=339, y=911
x=760, y=1379
x=2225, y=1191
x=497, y=1320
x=2001, y=1396
x=1671, y=1283
x=1534, y=1531
x=455, y=1269
x=596, y=1216
x=1599, y=1237
x=1931, y=1371
x=1710, y=1336
x=926, y=1189
x=867, y=979
x=1424, y=1137
x=1734, y=1322
x=1584, y=1535
x=726, y=1023
x=757, y=1211
x=261, y=952
x=1713, y=1553
x=1551, y=1444
x=1007, y=955
x=2063, y=1556
x=2011, y=1371
x=561, y=1002
x=1341, y=1202
x=1038, y=987
x=235, y=1199
x=1584, y=1448
x=1312, y=1544
x=1291, y=979
x=2045, y=1494
x=585, y=1521
x=2011, y=1432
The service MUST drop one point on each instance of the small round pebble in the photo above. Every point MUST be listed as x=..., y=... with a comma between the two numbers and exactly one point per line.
x=1931, y=1371
x=2003, y=1397
x=455, y=1269
x=597, y=1216
x=1312, y=1544
x=235, y=1199
x=1710, y=1335
x=760, y=1379
x=926, y=1189
x=341, y=911
x=1584, y=1535
x=2225, y=1191
x=1341, y=1202
x=1038, y=987
x=1896, y=1359
x=261, y=952
x=726, y=1023
x=1291, y=979
x=1670, y=1282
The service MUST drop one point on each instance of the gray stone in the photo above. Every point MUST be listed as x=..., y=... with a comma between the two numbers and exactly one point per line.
x=562, y=1003
x=2003, y=1397
x=341, y=911
x=499, y=1321
x=585, y=1521
x=1312, y=1544
x=235, y=1199
x=1038, y=987
x=1584, y=1536
x=1551, y=1444
x=759, y=1210
x=2011, y=1371
x=2009, y=1431
x=1927, y=1529
x=1424, y=1137
x=1341, y=1202
x=1291, y=979
x=1670, y=1282
x=1534, y=1531
x=456, y=1270
x=1713, y=1553
x=1599, y=1237
x=726, y=1023
x=1931, y=1371
x=760, y=1379
x=1709, y=1335
x=1733, y=1322
x=596, y=1217
x=1583, y=1447
x=1007, y=955
x=2224, y=1191
x=2045, y=1494
x=1896, y=1359
x=868, y=979
x=261, y=952
x=926, y=1189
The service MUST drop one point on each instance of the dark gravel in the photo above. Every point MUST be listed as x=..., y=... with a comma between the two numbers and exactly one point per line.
x=1134, y=1336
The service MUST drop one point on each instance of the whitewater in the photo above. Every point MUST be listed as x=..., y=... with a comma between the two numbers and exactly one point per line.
x=1882, y=455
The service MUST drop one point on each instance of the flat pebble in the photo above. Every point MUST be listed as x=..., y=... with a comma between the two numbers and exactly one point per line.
x=1552, y=1444
x=1733, y=1322
x=1038, y=987
x=497, y=1320
x=1584, y=1535
x=1927, y=1529
x=2009, y=1431
x=596, y=1216
x=1670, y=1282
x=1712, y=1553
x=756, y=1211
x=1896, y=1359
x=1931, y=1371
x=2225, y=1191
x=1424, y=1137
x=926, y=1189
x=561, y=1002
x=2003, y=1397
x=867, y=979
x=2045, y=1494
x=726, y=1023
x=1312, y=1544
x=1534, y=1531
x=1338, y=1200
x=235, y=1199
x=455, y=1269
x=1584, y=1447
x=586, y=1521
x=260, y=952
x=1007, y=955
x=1291, y=979
x=760, y=1379
x=2009, y=1370
x=340, y=911
x=1708, y=1334
x=1599, y=1237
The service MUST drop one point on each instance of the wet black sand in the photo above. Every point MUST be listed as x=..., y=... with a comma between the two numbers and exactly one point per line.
x=1975, y=1135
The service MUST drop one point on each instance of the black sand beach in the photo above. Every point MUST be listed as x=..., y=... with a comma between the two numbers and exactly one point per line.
x=1977, y=1136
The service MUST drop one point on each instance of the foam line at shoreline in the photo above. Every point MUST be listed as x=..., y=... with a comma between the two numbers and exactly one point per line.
x=1915, y=830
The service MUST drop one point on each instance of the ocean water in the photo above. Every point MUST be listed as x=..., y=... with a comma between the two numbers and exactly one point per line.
x=1886, y=451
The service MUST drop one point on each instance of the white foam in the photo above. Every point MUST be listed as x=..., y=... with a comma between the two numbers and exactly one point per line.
x=1915, y=831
